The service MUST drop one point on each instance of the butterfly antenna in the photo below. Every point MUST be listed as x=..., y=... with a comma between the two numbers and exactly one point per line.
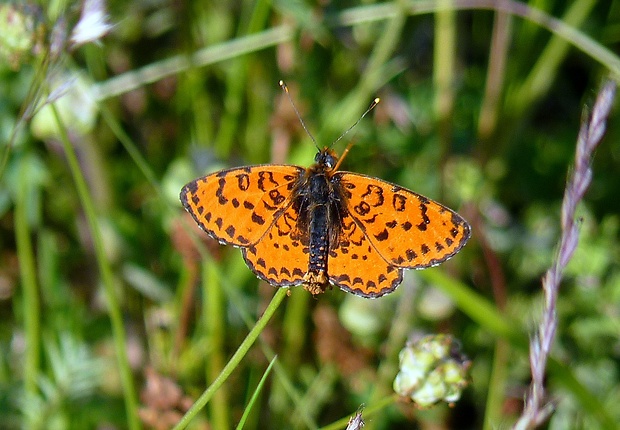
x=303, y=124
x=374, y=103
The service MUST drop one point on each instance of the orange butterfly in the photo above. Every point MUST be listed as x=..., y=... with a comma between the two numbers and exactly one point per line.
x=319, y=225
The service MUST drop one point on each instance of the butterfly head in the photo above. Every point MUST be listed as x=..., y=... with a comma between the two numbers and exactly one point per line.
x=327, y=157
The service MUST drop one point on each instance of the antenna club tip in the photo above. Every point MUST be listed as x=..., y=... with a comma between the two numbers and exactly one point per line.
x=377, y=100
x=283, y=85
x=281, y=82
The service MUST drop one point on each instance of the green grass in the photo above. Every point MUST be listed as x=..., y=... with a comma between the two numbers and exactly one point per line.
x=103, y=275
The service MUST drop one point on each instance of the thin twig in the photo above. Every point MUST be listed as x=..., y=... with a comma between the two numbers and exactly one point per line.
x=537, y=408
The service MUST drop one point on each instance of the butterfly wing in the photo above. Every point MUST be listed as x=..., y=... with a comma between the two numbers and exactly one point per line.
x=357, y=267
x=237, y=206
x=279, y=257
x=407, y=229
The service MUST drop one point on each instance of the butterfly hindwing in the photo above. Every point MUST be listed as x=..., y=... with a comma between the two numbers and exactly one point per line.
x=407, y=229
x=237, y=206
x=279, y=257
x=356, y=266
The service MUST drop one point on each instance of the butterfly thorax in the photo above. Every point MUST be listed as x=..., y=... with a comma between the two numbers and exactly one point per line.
x=318, y=199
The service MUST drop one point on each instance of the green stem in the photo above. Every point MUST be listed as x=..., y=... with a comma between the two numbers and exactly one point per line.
x=443, y=74
x=444, y=61
x=496, y=74
x=237, y=80
x=27, y=272
x=235, y=360
x=107, y=278
x=254, y=398
x=497, y=385
x=544, y=71
x=373, y=77
x=213, y=319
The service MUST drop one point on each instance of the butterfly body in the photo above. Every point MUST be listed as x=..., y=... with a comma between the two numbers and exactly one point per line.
x=317, y=226
x=320, y=204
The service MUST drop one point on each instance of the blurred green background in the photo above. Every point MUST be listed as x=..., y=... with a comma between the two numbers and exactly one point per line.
x=117, y=312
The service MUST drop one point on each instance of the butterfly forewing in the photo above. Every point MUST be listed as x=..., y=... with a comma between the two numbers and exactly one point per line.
x=237, y=206
x=407, y=229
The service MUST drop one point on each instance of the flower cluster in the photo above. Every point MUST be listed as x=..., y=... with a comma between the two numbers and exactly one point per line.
x=431, y=370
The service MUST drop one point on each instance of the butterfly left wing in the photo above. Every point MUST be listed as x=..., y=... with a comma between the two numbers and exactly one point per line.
x=237, y=206
x=279, y=257
x=407, y=229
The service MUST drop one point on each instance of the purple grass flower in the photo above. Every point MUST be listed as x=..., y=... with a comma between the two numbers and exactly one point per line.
x=537, y=408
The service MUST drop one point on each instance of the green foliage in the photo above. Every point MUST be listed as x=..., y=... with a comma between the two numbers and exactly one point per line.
x=103, y=275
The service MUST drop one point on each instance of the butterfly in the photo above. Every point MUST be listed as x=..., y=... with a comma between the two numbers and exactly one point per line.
x=319, y=225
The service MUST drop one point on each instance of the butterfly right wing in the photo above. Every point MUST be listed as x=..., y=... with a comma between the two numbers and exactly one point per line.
x=409, y=230
x=237, y=206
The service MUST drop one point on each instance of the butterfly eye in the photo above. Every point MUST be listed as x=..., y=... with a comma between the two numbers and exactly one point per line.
x=330, y=161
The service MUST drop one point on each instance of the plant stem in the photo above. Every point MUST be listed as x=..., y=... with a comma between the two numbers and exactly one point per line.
x=118, y=330
x=235, y=360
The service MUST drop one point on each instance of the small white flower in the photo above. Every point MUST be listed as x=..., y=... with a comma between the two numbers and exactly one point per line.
x=93, y=23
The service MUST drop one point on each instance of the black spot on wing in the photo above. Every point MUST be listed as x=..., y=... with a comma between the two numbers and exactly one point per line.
x=221, y=198
x=257, y=219
x=425, y=219
x=411, y=255
x=230, y=231
x=382, y=236
x=399, y=202
x=243, y=181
